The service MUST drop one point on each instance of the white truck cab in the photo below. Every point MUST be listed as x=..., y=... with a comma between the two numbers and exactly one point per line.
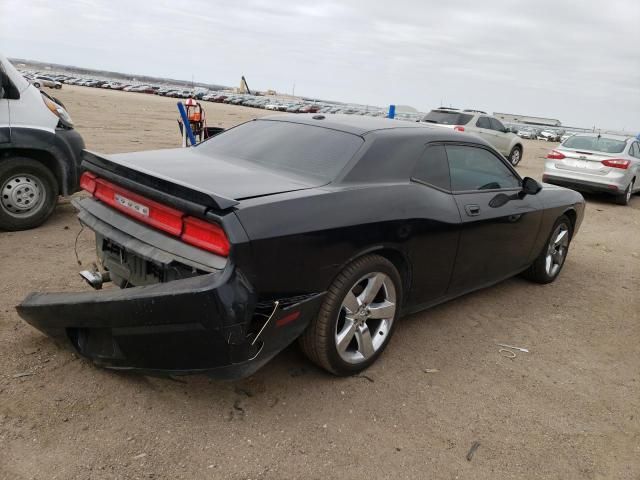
x=40, y=152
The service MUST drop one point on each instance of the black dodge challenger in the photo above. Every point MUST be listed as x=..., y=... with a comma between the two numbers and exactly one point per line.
x=326, y=229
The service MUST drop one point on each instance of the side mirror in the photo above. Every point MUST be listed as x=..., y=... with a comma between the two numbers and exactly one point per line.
x=530, y=186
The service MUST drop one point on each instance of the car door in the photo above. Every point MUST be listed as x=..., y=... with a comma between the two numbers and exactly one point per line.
x=435, y=227
x=501, y=139
x=496, y=240
x=483, y=129
x=5, y=125
x=634, y=151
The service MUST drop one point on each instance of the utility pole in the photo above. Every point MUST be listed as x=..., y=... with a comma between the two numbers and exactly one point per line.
x=293, y=91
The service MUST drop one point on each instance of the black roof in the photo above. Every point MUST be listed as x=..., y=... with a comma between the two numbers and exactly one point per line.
x=356, y=124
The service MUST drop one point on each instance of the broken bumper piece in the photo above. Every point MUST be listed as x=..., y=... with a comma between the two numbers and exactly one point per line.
x=205, y=324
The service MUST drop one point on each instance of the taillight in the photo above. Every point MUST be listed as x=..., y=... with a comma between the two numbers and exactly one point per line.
x=155, y=214
x=555, y=155
x=207, y=236
x=201, y=234
x=459, y=128
x=616, y=163
x=88, y=182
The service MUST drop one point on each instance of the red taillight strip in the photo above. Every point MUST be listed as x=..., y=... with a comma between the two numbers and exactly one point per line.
x=555, y=155
x=201, y=234
x=157, y=215
x=88, y=182
x=617, y=163
x=205, y=235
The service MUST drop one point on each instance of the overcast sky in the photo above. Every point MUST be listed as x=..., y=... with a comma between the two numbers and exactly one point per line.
x=578, y=61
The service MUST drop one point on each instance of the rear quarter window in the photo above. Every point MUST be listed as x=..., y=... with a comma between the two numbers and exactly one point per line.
x=300, y=149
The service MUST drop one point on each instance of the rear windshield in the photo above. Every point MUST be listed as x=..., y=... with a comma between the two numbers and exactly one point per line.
x=300, y=149
x=447, y=118
x=595, y=144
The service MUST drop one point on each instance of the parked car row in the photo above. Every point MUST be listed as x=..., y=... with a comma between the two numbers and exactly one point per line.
x=256, y=100
x=538, y=133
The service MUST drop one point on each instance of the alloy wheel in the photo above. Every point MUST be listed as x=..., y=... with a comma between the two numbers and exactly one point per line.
x=365, y=318
x=515, y=156
x=557, y=250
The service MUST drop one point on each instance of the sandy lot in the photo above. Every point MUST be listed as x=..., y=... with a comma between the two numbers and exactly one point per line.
x=569, y=409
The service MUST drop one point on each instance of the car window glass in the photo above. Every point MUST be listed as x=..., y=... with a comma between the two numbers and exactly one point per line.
x=595, y=143
x=432, y=167
x=496, y=125
x=297, y=148
x=447, y=118
x=474, y=168
x=483, y=122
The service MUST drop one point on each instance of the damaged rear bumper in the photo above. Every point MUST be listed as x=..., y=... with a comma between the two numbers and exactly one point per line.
x=204, y=324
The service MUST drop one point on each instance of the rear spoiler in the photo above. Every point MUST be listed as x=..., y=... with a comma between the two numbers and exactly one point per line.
x=186, y=197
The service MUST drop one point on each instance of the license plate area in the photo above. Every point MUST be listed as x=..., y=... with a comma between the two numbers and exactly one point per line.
x=129, y=269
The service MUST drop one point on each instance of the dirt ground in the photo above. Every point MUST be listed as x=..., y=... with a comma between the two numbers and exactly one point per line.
x=569, y=409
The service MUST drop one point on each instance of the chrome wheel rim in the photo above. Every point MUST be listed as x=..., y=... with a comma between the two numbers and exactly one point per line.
x=365, y=318
x=21, y=195
x=515, y=156
x=557, y=250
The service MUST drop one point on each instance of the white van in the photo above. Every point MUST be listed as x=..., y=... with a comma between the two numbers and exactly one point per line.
x=40, y=152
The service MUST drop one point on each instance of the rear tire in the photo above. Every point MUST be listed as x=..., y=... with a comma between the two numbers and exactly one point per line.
x=515, y=156
x=625, y=198
x=344, y=340
x=28, y=193
x=548, y=265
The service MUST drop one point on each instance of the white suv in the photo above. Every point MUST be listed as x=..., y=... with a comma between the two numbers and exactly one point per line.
x=479, y=123
x=44, y=81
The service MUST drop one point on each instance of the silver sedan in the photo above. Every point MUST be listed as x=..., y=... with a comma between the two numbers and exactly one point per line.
x=592, y=162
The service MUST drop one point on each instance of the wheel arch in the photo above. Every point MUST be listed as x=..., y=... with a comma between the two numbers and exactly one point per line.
x=44, y=157
x=393, y=254
x=572, y=215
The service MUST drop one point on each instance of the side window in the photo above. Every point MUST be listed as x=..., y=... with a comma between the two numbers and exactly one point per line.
x=496, y=125
x=635, y=149
x=432, y=167
x=474, y=168
x=483, y=122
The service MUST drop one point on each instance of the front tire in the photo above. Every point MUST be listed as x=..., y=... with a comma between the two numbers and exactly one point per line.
x=625, y=198
x=357, y=318
x=515, y=156
x=548, y=265
x=28, y=194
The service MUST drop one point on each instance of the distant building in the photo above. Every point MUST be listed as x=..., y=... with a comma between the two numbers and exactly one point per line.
x=527, y=119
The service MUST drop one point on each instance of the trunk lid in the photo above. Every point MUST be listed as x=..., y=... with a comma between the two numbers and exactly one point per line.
x=584, y=161
x=218, y=182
